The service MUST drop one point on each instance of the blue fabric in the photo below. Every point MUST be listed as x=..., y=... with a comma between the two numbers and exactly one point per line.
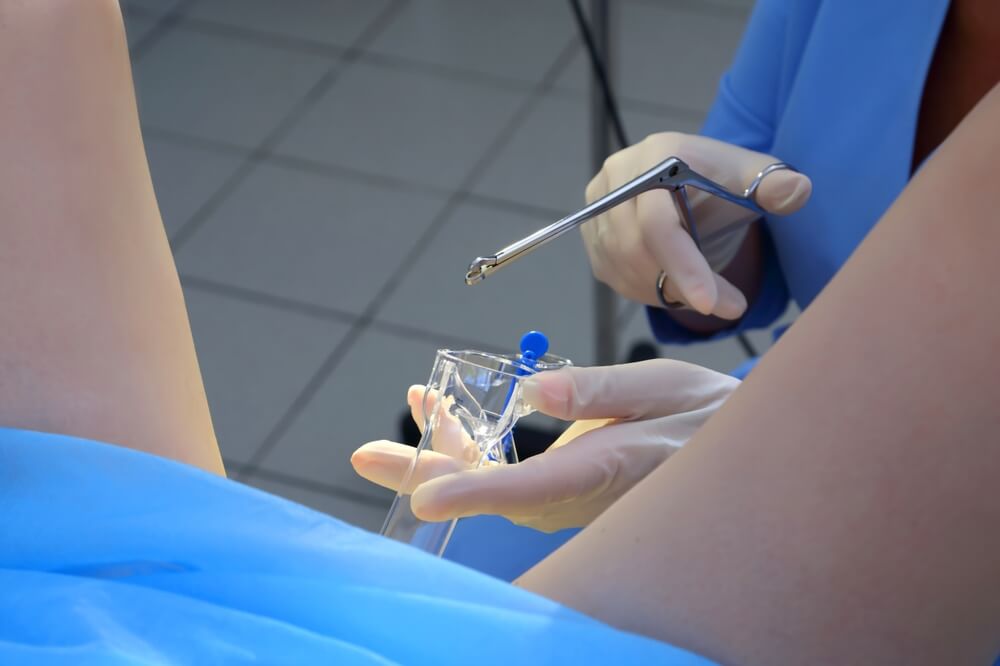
x=110, y=556
x=832, y=87
x=498, y=547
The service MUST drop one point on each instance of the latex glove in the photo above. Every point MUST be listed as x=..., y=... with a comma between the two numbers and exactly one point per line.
x=630, y=418
x=629, y=245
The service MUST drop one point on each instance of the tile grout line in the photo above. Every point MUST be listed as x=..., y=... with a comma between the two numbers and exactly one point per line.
x=406, y=332
x=715, y=8
x=246, y=295
x=543, y=213
x=321, y=312
x=322, y=85
x=258, y=37
x=312, y=386
x=498, y=81
x=177, y=138
x=306, y=45
x=273, y=40
x=635, y=104
x=159, y=30
x=331, y=362
x=301, y=164
x=335, y=171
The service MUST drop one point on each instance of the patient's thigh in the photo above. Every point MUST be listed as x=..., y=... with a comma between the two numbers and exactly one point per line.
x=95, y=339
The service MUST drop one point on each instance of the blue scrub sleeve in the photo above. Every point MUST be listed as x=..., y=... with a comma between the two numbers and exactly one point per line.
x=111, y=556
x=744, y=113
x=750, y=97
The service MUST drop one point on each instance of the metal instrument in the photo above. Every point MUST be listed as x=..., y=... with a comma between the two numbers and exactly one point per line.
x=672, y=175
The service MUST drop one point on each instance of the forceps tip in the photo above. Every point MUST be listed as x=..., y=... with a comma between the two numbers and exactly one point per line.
x=478, y=268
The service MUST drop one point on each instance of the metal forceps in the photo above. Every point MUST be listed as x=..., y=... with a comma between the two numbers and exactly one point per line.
x=672, y=175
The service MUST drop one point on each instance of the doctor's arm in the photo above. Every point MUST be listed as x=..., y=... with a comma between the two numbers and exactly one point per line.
x=843, y=505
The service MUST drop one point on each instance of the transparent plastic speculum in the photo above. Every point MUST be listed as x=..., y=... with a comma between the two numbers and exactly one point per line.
x=470, y=405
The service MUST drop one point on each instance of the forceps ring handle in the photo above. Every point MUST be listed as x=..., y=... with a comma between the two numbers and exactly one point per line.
x=751, y=192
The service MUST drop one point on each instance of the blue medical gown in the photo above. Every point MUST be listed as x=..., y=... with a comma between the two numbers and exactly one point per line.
x=111, y=556
x=832, y=87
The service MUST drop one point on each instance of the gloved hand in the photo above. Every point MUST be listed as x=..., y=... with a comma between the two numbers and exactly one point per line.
x=629, y=245
x=629, y=419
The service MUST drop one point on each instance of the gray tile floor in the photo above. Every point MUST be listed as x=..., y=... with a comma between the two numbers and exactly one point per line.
x=326, y=168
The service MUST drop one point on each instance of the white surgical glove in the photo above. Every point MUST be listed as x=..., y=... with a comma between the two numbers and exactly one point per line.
x=629, y=419
x=629, y=245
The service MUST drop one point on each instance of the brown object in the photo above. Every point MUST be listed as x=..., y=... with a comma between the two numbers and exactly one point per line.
x=965, y=67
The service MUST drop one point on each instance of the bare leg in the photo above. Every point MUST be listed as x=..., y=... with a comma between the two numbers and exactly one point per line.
x=95, y=340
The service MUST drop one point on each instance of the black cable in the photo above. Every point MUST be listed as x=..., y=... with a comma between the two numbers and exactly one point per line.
x=611, y=105
x=597, y=65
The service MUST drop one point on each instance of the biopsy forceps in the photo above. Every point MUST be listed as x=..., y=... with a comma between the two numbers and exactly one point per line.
x=672, y=175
